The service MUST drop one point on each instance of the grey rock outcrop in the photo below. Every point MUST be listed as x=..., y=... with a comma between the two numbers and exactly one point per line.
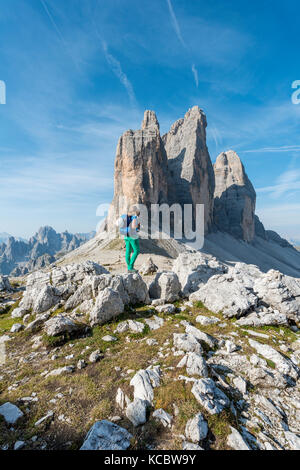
x=280, y=292
x=236, y=441
x=283, y=364
x=107, y=306
x=164, y=417
x=105, y=435
x=210, y=396
x=60, y=324
x=149, y=267
x=4, y=284
x=196, y=428
x=234, y=197
x=226, y=294
x=10, y=412
x=195, y=364
x=187, y=342
x=144, y=381
x=165, y=286
x=194, y=270
x=136, y=411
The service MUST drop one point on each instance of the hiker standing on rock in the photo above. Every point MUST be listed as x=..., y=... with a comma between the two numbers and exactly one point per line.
x=129, y=226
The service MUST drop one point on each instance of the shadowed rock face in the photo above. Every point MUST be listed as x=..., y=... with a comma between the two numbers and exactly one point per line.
x=191, y=177
x=234, y=198
x=140, y=167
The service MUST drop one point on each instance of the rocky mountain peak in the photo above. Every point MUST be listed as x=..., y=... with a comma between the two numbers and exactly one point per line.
x=140, y=169
x=150, y=121
x=234, y=197
x=228, y=164
x=191, y=178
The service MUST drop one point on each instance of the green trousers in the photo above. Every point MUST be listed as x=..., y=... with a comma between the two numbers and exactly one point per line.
x=132, y=251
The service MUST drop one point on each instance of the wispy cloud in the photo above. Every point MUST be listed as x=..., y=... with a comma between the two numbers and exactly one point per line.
x=284, y=148
x=66, y=181
x=195, y=72
x=181, y=40
x=117, y=70
x=286, y=182
x=175, y=23
x=59, y=33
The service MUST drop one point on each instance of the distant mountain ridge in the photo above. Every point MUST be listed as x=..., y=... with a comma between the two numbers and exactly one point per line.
x=4, y=236
x=18, y=257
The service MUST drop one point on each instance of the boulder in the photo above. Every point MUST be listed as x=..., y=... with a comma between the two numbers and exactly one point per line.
x=18, y=312
x=280, y=292
x=236, y=441
x=194, y=270
x=109, y=338
x=11, y=413
x=231, y=347
x=61, y=324
x=240, y=384
x=46, y=289
x=195, y=364
x=18, y=445
x=38, y=323
x=95, y=356
x=186, y=342
x=283, y=364
x=5, y=284
x=144, y=381
x=196, y=428
x=136, y=326
x=258, y=319
x=61, y=371
x=68, y=274
x=46, y=298
x=149, y=267
x=105, y=435
x=203, y=320
x=136, y=288
x=16, y=328
x=210, y=396
x=201, y=336
x=155, y=322
x=166, y=308
x=164, y=417
x=122, y=327
x=165, y=286
x=267, y=378
x=81, y=294
x=226, y=294
x=122, y=399
x=108, y=305
x=136, y=411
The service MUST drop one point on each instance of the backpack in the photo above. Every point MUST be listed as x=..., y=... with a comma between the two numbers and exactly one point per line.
x=124, y=224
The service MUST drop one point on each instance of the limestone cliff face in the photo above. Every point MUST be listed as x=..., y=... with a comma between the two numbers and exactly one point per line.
x=140, y=167
x=191, y=176
x=234, y=198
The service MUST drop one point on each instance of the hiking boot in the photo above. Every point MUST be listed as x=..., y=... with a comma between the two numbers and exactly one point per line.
x=132, y=270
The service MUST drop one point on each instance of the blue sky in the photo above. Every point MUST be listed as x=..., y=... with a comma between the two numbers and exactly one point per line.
x=79, y=73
